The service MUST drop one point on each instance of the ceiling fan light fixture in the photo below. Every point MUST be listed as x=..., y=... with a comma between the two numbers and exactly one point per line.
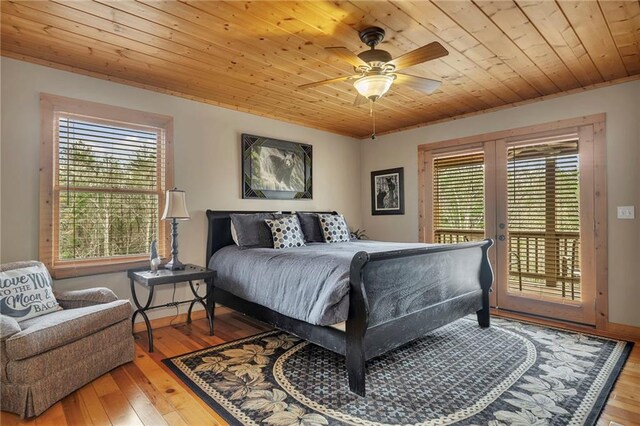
x=374, y=86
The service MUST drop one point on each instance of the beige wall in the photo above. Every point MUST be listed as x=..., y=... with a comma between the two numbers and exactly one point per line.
x=207, y=162
x=621, y=103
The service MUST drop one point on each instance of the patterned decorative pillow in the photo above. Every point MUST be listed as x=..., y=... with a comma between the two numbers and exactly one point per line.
x=286, y=232
x=27, y=293
x=334, y=228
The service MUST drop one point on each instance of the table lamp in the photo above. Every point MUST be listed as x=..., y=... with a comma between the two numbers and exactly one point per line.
x=175, y=208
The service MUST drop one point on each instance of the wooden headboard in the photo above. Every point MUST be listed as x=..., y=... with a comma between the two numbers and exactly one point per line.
x=219, y=228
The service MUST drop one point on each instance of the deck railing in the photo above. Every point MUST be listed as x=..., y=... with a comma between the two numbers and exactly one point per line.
x=547, y=264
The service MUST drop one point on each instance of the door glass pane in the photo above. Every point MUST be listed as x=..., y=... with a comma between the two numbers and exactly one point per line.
x=544, y=220
x=458, y=198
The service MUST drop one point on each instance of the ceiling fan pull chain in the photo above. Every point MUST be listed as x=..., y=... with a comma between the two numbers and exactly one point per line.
x=373, y=116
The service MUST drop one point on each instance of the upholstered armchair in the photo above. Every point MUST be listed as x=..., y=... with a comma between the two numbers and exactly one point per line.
x=47, y=357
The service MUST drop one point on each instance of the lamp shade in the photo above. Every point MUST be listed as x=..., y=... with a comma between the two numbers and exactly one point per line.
x=374, y=86
x=175, y=206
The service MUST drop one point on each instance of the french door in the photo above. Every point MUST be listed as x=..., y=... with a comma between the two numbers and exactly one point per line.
x=535, y=195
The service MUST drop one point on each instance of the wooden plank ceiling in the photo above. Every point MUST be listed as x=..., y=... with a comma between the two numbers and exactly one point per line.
x=251, y=56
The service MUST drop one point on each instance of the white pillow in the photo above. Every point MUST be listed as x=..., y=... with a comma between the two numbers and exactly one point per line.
x=334, y=228
x=234, y=236
x=26, y=293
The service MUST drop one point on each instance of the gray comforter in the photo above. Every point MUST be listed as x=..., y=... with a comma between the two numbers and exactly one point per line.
x=308, y=283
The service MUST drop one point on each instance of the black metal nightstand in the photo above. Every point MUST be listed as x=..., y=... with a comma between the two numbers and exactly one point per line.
x=164, y=276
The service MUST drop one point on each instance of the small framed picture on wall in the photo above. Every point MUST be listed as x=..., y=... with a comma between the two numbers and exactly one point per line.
x=387, y=191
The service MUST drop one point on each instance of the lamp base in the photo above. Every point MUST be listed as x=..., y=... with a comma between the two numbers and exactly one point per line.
x=174, y=265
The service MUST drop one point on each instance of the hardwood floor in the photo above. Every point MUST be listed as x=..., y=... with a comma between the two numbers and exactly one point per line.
x=145, y=392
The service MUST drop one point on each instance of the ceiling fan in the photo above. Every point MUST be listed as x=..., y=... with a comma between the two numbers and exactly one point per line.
x=376, y=70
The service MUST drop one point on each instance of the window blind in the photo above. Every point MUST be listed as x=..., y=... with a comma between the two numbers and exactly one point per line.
x=544, y=219
x=109, y=180
x=458, y=198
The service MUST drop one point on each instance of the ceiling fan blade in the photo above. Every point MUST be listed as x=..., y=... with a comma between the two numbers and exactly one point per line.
x=360, y=100
x=347, y=55
x=329, y=81
x=419, y=83
x=422, y=54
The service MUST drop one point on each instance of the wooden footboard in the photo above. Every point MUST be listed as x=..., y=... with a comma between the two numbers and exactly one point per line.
x=398, y=296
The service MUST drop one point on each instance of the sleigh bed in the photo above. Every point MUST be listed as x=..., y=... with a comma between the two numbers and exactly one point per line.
x=391, y=298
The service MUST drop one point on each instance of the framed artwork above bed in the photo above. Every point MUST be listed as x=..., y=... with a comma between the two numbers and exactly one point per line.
x=276, y=169
x=387, y=191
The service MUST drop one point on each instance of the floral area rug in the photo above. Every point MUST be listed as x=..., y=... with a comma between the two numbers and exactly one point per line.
x=512, y=373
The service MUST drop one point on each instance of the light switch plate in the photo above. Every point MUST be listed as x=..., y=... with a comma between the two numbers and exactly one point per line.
x=626, y=212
